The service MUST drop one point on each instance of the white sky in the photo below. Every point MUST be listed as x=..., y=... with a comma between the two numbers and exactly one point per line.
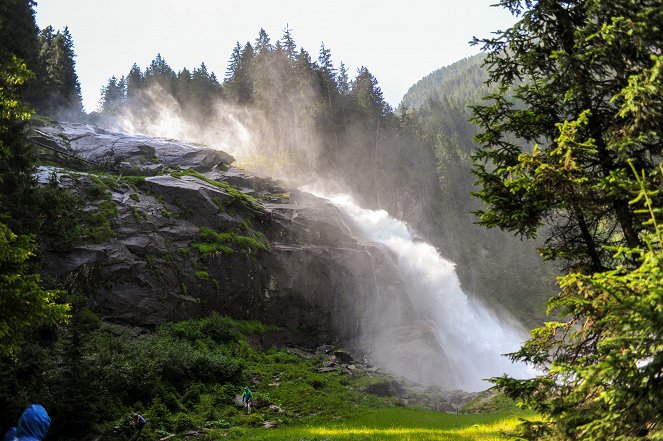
x=399, y=41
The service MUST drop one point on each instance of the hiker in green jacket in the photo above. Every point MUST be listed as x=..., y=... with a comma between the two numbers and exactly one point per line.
x=247, y=399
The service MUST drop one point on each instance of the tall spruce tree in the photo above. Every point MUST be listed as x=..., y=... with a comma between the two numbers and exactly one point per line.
x=112, y=96
x=159, y=74
x=572, y=136
x=368, y=95
x=24, y=303
x=134, y=83
x=59, y=81
x=263, y=44
x=288, y=43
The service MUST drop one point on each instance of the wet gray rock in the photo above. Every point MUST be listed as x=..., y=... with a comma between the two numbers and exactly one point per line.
x=137, y=153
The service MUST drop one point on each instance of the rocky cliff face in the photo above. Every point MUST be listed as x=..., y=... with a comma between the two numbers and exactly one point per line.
x=277, y=255
x=189, y=235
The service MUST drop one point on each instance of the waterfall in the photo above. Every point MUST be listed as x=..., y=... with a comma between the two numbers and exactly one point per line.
x=472, y=338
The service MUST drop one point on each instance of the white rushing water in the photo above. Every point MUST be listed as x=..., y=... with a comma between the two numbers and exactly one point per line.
x=471, y=336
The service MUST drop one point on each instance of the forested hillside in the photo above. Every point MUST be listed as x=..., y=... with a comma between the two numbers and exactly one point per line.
x=499, y=267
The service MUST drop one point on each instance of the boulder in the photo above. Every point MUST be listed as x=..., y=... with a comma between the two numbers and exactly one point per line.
x=137, y=153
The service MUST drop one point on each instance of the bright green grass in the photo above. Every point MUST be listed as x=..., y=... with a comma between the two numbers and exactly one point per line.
x=391, y=424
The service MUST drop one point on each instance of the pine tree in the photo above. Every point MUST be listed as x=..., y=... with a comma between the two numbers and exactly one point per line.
x=24, y=303
x=289, y=45
x=570, y=145
x=234, y=62
x=71, y=86
x=204, y=90
x=134, y=83
x=60, y=82
x=262, y=44
x=368, y=95
x=343, y=80
x=239, y=86
x=18, y=36
x=159, y=74
x=326, y=71
x=574, y=169
x=112, y=96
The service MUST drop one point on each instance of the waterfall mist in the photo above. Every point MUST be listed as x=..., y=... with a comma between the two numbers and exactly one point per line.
x=453, y=341
x=472, y=338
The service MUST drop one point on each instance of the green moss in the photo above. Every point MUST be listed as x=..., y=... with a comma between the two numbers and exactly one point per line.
x=211, y=248
x=132, y=181
x=138, y=215
x=98, y=188
x=98, y=223
x=202, y=275
x=229, y=241
x=134, y=197
x=108, y=208
x=41, y=120
x=283, y=196
x=248, y=200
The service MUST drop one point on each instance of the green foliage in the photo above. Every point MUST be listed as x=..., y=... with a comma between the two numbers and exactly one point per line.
x=61, y=215
x=133, y=181
x=589, y=111
x=215, y=242
x=603, y=365
x=25, y=304
x=57, y=74
x=138, y=215
x=569, y=111
x=16, y=156
x=98, y=221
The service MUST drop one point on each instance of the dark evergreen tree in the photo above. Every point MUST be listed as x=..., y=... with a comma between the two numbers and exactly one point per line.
x=16, y=155
x=263, y=44
x=234, y=62
x=343, y=80
x=134, y=83
x=183, y=87
x=326, y=69
x=570, y=148
x=289, y=45
x=571, y=96
x=159, y=74
x=238, y=87
x=112, y=97
x=18, y=36
x=60, y=82
x=205, y=89
x=368, y=95
x=18, y=31
x=24, y=302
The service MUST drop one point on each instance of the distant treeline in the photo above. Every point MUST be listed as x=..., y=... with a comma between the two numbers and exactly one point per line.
x=53, y=88
x=309, y=110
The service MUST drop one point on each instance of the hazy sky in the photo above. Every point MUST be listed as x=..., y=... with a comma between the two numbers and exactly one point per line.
x=399, y=41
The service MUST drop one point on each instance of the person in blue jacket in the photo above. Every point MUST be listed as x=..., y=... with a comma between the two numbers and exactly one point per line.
x=32, y=426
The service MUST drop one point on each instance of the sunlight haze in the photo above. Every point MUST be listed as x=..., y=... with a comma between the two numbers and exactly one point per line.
x=399, y=42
